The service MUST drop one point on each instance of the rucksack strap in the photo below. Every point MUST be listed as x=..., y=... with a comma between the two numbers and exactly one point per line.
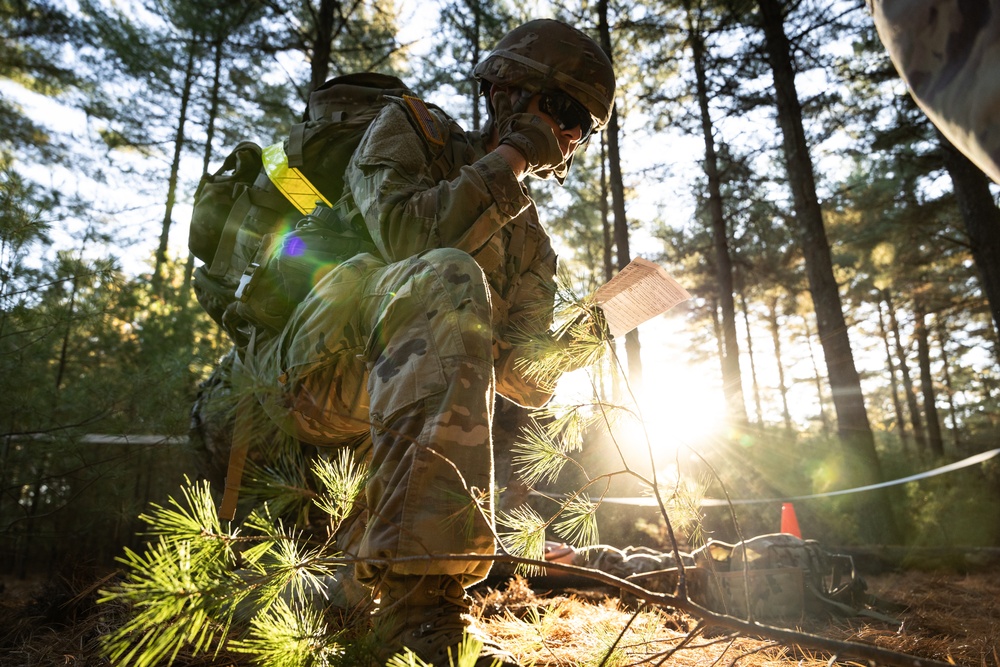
x=268, y=201
x=242, y=433
x=227, y=241
x=296, y=145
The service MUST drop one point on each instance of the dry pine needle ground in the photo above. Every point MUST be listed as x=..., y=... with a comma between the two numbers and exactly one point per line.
x=947, y=617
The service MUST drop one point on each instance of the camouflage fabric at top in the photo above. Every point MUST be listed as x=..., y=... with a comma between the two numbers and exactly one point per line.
x=947, y=52
x=412, y=349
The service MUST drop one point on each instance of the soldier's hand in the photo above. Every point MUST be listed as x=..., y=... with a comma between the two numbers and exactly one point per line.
x=589, y=325
x=529, y=135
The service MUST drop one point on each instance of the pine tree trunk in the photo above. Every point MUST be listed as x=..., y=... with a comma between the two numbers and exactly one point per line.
x=942, y=335
x=632, y=347
x=64, y=345
x=772, y=318
x=175, y=166
x=862, y=465
x=753, y=364
x=206, y=158
x=982, y=223
x=323, y=46
x=817, y=379
x=732, y=383
x=904, y=437
x=934, y=439
x=475, y=53
x=904, y=369
x=609, y=265
x=716, y=326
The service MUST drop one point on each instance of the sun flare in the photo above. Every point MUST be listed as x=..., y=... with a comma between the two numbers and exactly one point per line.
x=679, y=408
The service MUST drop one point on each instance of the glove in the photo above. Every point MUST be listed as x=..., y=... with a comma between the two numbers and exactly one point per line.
x=590, y=325
x=582, y=342
x=529, y=135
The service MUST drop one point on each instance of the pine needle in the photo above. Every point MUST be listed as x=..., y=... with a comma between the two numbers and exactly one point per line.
x=284, y=636
x=526, y=537
x=578, y=525
x=342, y=481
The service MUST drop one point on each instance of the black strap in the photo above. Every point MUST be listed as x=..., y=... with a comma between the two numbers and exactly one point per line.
x=295, y=147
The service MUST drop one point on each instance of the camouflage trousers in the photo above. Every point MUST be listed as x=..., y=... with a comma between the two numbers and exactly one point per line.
x=402, y=352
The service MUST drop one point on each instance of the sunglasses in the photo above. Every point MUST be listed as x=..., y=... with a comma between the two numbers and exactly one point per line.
x=567, y=113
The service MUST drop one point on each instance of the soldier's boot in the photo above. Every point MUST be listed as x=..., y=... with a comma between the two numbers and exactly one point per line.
x=429, y=615
x=344, y=591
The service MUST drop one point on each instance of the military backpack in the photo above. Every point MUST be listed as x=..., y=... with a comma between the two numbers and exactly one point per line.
x=267, y=224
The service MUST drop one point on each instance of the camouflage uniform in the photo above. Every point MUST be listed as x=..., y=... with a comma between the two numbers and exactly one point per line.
x=410, y=346
x=947, y=52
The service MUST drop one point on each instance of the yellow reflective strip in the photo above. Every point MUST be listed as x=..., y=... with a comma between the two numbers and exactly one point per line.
x=291, y=182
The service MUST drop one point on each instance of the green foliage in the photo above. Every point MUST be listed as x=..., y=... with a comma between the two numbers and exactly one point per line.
x=577, y=523
x=192, y=519
x=254, y=589
x=86, y=347
x=525, y=537
x=182, y=588
x=540, y=457
x=342, y=481
x=468, y=655
x=180, y=596
x=286, y=636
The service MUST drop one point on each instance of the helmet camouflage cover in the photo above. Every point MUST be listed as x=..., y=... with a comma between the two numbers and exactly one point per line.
x=546, y=54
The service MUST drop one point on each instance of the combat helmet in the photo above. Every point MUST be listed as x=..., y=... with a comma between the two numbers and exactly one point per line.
x=546, y=54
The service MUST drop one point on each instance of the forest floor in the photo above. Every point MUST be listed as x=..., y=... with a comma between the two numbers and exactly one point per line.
x=942, y=615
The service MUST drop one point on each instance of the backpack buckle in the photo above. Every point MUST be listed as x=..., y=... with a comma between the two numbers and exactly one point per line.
x=245, y=280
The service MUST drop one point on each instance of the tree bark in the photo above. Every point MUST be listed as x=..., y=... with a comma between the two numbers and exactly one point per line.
x=817, y=379
x=319, y=66
x=942, y=335
x=206, y=158
x=772, y=318
x=862, y=465
x=609, y=265
x=175, y=166
x=632, y=347
x=904, y=437
x=753, y=365
x=732, y=383
x=982, y=223
x=475, y=53
x=934, y=440
x=911, y=395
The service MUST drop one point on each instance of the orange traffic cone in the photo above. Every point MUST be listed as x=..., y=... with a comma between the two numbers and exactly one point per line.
x=789, y=524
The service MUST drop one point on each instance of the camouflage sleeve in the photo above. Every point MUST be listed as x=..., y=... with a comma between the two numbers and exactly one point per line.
x=407, y=206
x=530, y=313
x=948, y=55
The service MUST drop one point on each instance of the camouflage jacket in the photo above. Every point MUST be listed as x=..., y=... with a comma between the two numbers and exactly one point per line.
x=421, y=182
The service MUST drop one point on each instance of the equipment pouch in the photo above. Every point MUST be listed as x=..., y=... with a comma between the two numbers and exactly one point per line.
x=289, y=265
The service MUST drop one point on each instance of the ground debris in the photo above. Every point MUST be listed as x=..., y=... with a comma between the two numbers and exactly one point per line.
x=942, y=616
